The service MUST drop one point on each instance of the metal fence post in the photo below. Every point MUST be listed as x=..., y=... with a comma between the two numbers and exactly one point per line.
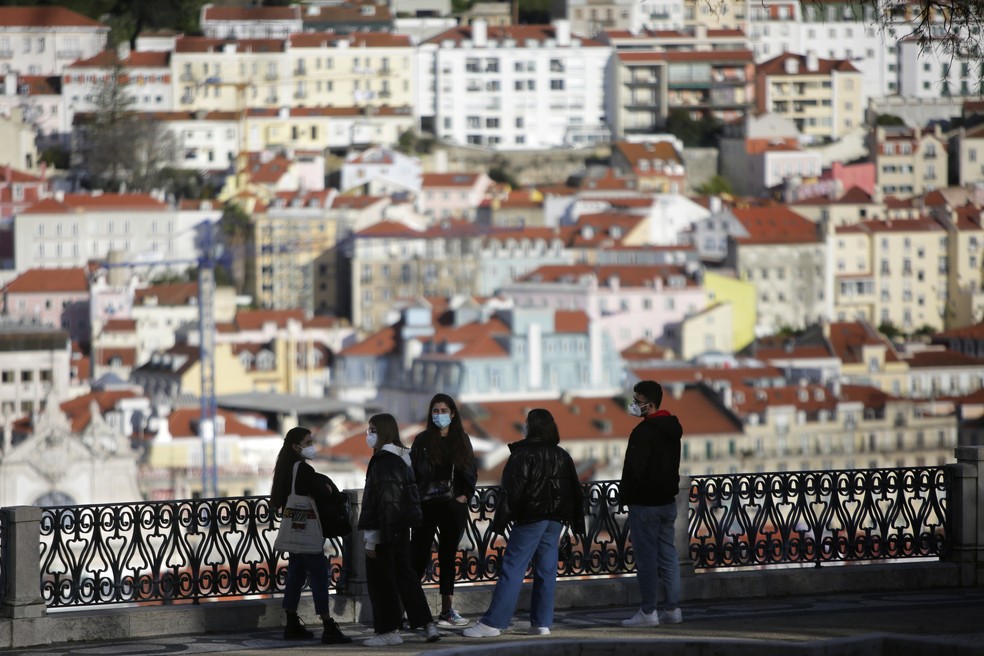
x=682, y=528
x=22, y=563
x=965, y=532
x=354, y=555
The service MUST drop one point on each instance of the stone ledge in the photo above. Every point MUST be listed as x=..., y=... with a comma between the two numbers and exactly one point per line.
x=114, y=623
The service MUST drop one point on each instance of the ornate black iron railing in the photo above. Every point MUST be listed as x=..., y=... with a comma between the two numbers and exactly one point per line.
x=817, y=516
x=162, y=551
x=174, y=551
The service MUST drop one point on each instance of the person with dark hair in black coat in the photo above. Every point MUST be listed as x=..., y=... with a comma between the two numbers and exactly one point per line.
x=446, y=472
x=390, y=508
x=540, y=493
x=299, y=446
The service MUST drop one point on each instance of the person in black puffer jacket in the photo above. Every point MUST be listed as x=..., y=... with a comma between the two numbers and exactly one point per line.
x=540, y=493
x=390, y=508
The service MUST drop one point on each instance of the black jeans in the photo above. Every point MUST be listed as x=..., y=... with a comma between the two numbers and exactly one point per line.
x=392, y=580
x=449, y=518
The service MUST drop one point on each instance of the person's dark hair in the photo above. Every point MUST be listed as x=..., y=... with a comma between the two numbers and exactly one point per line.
x=650, y=390
x=455, y=448
x=284, y=469
x=540, y=426
x=387, y=430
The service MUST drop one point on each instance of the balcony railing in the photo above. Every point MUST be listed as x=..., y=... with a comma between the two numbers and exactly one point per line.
x=167, y=551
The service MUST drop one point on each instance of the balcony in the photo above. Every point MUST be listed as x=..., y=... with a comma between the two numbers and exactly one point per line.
x=68, y=53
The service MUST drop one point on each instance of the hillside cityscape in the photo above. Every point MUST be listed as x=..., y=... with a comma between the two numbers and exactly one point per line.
x=220, y=221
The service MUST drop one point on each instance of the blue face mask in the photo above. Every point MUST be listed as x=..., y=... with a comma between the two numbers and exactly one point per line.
x=441, y=420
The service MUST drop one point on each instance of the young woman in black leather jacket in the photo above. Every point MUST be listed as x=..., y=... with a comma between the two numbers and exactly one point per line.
x=390, y=507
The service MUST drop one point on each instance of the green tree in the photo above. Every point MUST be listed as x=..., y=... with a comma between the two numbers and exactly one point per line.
x=109, y=131
x=715, y=186
x=889, y=120
x=702, y=133
x=890, y=330
x=236, y=226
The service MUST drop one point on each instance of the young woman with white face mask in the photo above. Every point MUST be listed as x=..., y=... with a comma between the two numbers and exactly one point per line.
x=445, y=469
x=298, y=447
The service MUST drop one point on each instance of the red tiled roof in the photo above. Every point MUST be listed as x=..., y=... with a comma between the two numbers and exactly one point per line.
x=183, y=293
x=255, y=319
x=947, y=358
x=39, y=85
x=449, y=179
x=848, y=338
x=205, y=44
x=777, y=66
x=643, y=350
x=252, y=13
x=41, y=281
x=733, y=375
x=105, y=354
x=635, y=152
x=384, y=342
x=78, y=410
x=181, y=423
x=628, y=276
x=975, y=331
x=96, y=203
x=50, y=16
x=355, y=202
x=518, y=33
x=120, y=326
x=136, y=59
x=390, y=230
x=775, y=225
x=355, y=40
x=724, y=56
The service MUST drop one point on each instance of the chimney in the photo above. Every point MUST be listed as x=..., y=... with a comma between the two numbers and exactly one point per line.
x=791, y=65
x=10, y=84
x=812, y=63
x=123, y=51
x=480, y=33
x=562, y=32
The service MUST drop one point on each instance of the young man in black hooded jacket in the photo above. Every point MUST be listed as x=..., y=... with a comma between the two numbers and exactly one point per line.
x=649, y=485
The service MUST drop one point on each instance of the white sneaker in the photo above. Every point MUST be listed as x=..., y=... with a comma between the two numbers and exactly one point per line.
x=539, y=630
x=642, y=618
x=390, y=639
x=481, y=631
x=431, y=633
x=674, y=616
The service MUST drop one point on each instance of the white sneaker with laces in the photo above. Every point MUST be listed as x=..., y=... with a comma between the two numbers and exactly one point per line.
x=390, y=639
x=481, y=631
x=539, y=630
x=642, y=618
x=674, y=616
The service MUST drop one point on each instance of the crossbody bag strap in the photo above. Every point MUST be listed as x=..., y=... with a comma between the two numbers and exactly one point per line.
x=293, y=480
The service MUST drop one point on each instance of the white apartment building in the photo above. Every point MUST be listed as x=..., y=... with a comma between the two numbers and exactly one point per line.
x=70, y=230
x=39, y=98
x=44, y=40
x=927, y=71
x=250, y=22
x=515, y=87
x=147, y=76
x=204, y=141
x=381, y=167
x=213, y=74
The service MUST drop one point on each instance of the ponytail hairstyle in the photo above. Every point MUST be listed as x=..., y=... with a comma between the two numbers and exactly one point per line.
x=284, y=469
x=456, y=447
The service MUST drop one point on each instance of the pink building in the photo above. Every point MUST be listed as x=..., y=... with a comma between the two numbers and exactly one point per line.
x=629, y=302
x=52, y=297
x=446, y=195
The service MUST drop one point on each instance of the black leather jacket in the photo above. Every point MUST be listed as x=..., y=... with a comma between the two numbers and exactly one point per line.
x=651, y=472
x=390, y=503
x=540, y=482
x=463, y=479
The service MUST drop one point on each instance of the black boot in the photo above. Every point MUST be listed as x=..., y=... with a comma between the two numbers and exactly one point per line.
x=295, y=628
x=333, y=635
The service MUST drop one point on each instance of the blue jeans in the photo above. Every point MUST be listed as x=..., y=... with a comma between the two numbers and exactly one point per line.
x=536, y=541
x=655, y=554
x=301, y=566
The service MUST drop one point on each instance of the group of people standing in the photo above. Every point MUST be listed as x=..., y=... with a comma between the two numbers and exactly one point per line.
x=412, y=493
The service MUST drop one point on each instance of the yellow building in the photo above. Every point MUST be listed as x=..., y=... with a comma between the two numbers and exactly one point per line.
x=354, y=70
x=740, y=296
x=709, y=331
x=867, y=356
x=965, y=266
x=821, y=96
x=908, y=161
x=891, y=272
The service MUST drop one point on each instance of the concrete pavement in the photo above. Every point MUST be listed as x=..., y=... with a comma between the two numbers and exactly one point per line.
x=947, y=621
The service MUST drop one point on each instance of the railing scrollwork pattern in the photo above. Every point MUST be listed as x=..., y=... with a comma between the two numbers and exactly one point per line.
x=162, y=551
x=183, y=551
x=817, y=516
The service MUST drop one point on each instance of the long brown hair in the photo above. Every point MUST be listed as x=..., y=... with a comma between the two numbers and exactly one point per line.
x=456, y=447
x=387, y=430
x=283, y=471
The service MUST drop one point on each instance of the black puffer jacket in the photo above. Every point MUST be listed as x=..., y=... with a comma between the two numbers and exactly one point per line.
x=463, y=479
x=540, y=482
x=390, y=503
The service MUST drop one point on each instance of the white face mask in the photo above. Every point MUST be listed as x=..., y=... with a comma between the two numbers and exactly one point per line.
x=635, y=409
x=371, y=439
x=441, y=420
x=309, y=452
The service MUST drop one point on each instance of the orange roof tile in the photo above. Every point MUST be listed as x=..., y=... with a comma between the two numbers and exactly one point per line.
x=78, y=410
x=946, y=358
x=518, y=33
x=256, y=319
x=97, y=203
x=48, y=16
x=119, y=326
x=383, y=342
x=48, y=281
x=777, y=66
x=182, y=421
x=848, y=338
x=183, y=293
x=775, y=225
x=252, y=13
